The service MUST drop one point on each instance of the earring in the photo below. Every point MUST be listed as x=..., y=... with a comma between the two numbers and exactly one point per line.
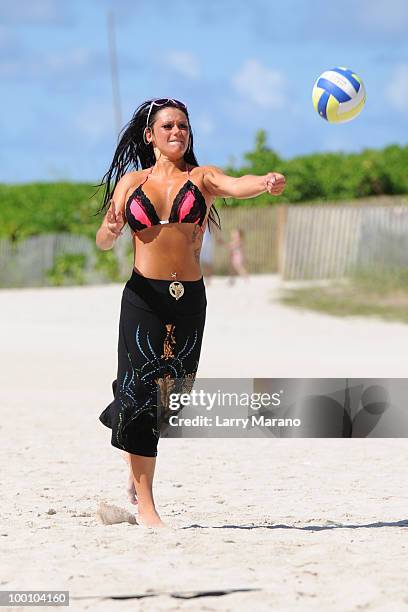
x=144, y=137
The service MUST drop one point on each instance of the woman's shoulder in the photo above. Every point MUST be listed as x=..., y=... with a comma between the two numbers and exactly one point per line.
x=133, y=178
x=134, y=175
x=209, y=168
x=201, y=171
x=208, y=171
x=129, y=182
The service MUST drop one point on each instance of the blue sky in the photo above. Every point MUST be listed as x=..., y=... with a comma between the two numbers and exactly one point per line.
x=238, y=65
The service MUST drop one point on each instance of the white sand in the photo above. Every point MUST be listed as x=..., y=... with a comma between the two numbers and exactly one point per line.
x=307, y=523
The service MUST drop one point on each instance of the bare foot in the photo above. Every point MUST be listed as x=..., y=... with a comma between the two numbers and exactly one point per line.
x=149, y=518
x=109, y=514
x=130, y=487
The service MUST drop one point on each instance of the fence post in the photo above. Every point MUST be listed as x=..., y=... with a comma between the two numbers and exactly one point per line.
x=281, y=218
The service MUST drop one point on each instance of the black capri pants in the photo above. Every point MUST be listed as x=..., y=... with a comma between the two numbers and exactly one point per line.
x=158, y=352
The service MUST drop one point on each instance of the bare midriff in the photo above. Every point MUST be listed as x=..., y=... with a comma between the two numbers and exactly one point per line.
x=162, y=251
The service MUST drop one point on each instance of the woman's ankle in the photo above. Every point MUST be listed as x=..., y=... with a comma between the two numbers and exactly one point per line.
x=147, y=507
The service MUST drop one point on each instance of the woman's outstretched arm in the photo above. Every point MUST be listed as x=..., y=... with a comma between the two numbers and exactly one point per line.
x=248, y=186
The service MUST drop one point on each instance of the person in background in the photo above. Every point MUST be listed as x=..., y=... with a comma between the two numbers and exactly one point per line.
x=237, y=258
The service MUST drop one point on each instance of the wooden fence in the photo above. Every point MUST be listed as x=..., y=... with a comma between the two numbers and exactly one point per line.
x=299, y=242
x=318, y=242
x=28, y=262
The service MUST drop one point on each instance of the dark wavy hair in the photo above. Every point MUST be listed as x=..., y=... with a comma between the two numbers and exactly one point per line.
x=132, y=152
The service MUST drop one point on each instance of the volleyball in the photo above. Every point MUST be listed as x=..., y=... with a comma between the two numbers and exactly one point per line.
x=338, y=95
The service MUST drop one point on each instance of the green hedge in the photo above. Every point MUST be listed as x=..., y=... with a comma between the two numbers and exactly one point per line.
x=328, y=176
x=38, y=208
x=68, y=269
x=41, y=208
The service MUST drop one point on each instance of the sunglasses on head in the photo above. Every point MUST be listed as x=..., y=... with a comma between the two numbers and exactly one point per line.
x=161, y=102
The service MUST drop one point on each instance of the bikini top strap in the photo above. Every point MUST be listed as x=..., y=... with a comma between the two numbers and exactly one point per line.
x=188, y=169
x=147, y=176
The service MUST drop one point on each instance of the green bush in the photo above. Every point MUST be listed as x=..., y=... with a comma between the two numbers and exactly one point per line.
x=68, y=269
x=38, y=208
x=327, y=176
x=107, y=264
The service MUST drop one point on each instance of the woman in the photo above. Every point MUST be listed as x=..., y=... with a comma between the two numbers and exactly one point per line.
x=167, y=204
x=236, y=252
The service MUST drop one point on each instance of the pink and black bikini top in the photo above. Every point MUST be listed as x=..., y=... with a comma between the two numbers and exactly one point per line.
x=188, y=207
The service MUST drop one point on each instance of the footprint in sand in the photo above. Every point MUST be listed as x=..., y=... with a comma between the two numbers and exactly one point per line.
x=108, y=514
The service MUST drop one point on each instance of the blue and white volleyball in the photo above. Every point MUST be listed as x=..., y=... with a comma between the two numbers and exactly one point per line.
x=338, y=95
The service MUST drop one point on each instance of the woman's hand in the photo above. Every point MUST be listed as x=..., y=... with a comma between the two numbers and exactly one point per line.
x=114, y=221
x=274, y=183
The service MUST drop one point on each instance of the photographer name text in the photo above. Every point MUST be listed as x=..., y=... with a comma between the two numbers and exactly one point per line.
x=242, y=422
